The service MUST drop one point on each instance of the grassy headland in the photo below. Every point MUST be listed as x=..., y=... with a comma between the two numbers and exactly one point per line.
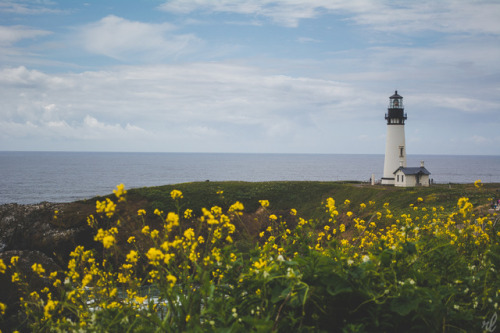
x=269, y=256
x=306, y=196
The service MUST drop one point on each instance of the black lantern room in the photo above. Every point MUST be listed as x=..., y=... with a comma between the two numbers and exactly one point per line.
x=395, y=115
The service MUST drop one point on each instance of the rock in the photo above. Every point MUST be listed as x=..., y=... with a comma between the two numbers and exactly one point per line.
x=34, y=228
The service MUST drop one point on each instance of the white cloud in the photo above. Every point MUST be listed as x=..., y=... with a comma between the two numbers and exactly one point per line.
x=122, y=39
x=284, y=12
x=478, y=139
x=202, y=104
x=307, y=40
x=26, y=7
x=12, y=34
x=447, y=16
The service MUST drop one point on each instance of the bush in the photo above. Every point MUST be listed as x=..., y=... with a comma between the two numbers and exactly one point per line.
x=351, y=269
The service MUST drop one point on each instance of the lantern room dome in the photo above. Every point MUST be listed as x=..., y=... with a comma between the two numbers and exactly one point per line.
x=396, y=95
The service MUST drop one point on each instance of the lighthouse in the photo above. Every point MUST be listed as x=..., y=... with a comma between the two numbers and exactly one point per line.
x=395, y=150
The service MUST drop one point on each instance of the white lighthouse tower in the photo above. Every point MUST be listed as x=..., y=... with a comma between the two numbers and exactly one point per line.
x=395, y=150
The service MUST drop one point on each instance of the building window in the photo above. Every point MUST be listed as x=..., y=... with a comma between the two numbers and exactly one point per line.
x=401, y=151
x=402, y=178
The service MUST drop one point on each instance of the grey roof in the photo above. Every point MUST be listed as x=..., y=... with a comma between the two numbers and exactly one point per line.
x=413, y=171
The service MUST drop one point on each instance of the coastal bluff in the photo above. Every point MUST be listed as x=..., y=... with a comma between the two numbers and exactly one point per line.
x=46, y=233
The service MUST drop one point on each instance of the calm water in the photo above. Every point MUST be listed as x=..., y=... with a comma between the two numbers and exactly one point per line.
x=32, y=177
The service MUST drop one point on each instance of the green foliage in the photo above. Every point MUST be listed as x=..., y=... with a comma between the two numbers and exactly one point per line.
x=349, y=267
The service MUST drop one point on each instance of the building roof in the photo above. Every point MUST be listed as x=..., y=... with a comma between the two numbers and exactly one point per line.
x=413, y=171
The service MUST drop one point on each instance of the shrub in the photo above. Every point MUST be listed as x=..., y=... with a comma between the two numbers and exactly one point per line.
x=352, y=269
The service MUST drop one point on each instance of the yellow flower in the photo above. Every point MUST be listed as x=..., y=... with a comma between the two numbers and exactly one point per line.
x=236, y=207
x=2, y=266
x=131, y=240
x=273, y=217
x=362, y=205
x=145, y=230
x=172, y=219
x=478, y=183
x=38, y=269
x=15, y=277
x=293, y=212
x=14, y=260
x=154, y=233
x=2, y=308
x=154, y=255
x=259, y=264
x=176, y=194
x=50, y=306
x=347, y=202
x=132, y=256
x=140, y=300
x=188, y=213
x=34, y=295
x=189, y=234
x=120, y=190
x=141, y=212
x=419, y=199
x=86, y=279
x=264, y=203
x=172, y=279
x=108, y=241
x=107, y=207
x=187, y=318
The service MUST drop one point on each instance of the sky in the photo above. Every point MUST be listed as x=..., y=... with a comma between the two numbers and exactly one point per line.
x=254, y=76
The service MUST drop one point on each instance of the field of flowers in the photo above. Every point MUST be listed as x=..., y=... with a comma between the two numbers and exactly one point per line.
x=352, y=268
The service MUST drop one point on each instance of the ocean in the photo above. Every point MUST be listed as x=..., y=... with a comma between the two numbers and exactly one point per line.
x=33, y=177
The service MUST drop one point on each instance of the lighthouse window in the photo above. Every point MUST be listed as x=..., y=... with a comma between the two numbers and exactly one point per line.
x=401, y=151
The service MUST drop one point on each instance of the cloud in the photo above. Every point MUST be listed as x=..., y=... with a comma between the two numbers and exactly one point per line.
x=478, y=17
x=26, y=7
x=307, y=40
x=88, y=128
x=446, y=16
x=287, y=13
x=479, y=140
x=12, y=34
x=192, y=106
x=123, y=39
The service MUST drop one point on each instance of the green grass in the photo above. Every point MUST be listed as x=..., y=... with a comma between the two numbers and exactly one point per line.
x=306, y=195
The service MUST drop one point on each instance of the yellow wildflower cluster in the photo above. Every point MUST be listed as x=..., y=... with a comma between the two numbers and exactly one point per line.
x=182, y=273
x=106, y=206
x=176, y=194
x=106, y=237
x=120, y=192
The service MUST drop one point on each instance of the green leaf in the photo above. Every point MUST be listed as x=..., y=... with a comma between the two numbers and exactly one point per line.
x=337, y=285
x=404, y=305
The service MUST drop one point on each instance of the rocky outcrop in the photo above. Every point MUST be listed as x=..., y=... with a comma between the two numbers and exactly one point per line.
x=31, y=233
x=34, y=228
